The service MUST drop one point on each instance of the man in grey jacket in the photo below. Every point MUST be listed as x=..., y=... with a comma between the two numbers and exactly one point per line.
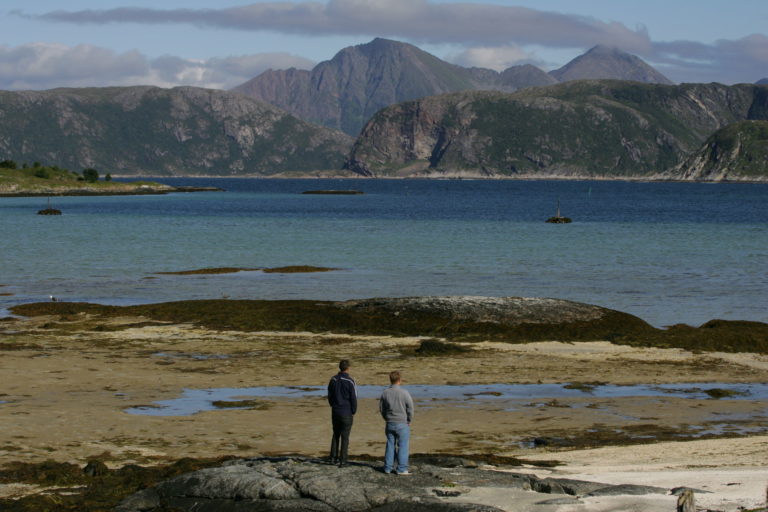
x=396, y=407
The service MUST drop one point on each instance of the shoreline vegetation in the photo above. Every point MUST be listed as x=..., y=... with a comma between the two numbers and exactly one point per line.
x=43, y=181
x=459, y=176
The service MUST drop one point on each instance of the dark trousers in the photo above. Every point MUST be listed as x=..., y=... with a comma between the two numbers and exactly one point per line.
x=342, y=426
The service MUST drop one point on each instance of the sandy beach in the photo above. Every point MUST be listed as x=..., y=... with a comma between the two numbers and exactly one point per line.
x=66, y=391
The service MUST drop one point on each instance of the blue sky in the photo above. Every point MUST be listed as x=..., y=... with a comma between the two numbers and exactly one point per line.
x=47, y=43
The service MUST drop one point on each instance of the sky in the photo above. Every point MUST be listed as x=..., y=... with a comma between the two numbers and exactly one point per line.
x=220, y=44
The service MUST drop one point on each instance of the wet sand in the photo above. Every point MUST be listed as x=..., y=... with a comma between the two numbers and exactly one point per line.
x=66, y=391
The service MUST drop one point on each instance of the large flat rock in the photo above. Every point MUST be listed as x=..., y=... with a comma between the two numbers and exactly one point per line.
x=296, y=483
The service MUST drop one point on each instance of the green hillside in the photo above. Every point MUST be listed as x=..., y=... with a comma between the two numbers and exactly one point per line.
x=595, y=128
x=737, y=152
x=153, y=131
x=37, y=179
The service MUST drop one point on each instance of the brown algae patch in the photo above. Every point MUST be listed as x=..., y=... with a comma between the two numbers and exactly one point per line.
x=241, y=404
x=297, y=269
x=213, y=270
x=371, y=318
x=65, y=486
x=290, y=269
x=433, y=347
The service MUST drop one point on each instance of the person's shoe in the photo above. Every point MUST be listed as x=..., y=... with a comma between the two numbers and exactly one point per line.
x=403, y=473
x=343, y=464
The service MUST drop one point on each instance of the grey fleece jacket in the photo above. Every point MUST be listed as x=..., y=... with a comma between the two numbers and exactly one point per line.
x=396, y=405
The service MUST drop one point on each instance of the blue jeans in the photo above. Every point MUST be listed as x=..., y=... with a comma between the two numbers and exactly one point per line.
x=398, y=436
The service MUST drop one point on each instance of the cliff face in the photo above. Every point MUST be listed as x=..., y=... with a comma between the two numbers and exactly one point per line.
x=577, y=129
x=734, y=153
x=344, y=92
x=153, y=131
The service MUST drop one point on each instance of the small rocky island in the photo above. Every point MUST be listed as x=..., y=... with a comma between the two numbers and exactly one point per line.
x=559, y=219
x=334, y=192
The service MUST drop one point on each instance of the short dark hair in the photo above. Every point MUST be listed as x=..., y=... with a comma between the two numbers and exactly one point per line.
x=394, y=377
x=344, y=365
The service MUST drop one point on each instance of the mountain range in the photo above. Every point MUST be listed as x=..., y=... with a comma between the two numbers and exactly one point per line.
x=591, y=128
x=154, y=131
x=521, y=122
x=344, y=92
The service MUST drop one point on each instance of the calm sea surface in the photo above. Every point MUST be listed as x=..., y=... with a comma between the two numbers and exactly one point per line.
x=667, y=252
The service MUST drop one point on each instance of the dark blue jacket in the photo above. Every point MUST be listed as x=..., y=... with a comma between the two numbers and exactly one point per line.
x=342, y=394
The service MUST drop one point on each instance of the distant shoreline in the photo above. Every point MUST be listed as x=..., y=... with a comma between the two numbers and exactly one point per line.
x=139, y=191
x=638, y=179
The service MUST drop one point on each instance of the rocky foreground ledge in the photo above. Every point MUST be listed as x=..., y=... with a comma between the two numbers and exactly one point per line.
x=299, y=483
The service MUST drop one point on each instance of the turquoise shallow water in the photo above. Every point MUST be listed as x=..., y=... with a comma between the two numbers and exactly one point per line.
x=667, y=252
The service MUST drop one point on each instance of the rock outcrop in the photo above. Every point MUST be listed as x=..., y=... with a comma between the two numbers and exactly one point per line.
x=297, y=483
x=154, y=131
x=738, y=152
x=581, y=129
x=507, y=311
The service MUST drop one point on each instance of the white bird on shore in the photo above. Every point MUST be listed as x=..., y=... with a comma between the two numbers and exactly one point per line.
x=53, y=299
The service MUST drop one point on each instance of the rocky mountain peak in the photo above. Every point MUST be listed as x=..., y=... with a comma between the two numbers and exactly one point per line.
x=609, y=62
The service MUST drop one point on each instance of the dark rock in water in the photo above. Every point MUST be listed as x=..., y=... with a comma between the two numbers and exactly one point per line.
x=561, y=501
x=677, y=491
x=334, y=192
x=627, y=489
x=95, y=468
x=442, y=493
x=197, y=189
x=49, y=211
x=297, y=483
x=559, y=220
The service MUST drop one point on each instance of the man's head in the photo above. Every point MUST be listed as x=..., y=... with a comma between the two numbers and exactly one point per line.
x=344, y=365
x=394, y=377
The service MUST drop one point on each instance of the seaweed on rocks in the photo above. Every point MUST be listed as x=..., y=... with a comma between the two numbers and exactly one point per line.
x=511, y=319
x=69, y=487
x=439, y=348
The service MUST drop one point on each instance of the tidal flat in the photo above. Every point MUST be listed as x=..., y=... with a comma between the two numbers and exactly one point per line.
x=72, y=378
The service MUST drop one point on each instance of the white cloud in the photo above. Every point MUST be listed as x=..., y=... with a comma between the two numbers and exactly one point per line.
x=497, y=57
x=490, y=32
x=415, y=20
x=726, y=61
x=47, y=65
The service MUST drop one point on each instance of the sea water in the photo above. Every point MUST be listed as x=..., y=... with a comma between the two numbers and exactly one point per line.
x=193, y=401
x=666, y=252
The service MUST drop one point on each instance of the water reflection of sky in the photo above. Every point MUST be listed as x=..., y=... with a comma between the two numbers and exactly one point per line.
x=198, y=400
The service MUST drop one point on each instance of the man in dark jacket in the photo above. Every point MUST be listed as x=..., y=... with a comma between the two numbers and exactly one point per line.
x=342, y=396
